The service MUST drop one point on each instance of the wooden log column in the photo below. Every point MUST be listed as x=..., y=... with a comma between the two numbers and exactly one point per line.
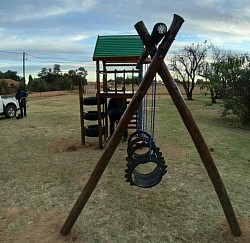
x=81, y=113
x=194, y=132
x=128, y=114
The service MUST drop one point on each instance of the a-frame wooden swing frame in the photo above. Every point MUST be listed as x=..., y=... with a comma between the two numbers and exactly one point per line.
x=157, y=65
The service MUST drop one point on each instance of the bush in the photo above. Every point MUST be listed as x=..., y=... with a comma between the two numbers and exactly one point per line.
x=237, y=96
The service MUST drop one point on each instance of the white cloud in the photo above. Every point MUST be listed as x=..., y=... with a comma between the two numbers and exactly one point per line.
x=30, y=10
x=67, y=29
x=78, y=37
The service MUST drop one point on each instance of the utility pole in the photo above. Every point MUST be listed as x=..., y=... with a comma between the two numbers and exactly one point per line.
x=24, y=70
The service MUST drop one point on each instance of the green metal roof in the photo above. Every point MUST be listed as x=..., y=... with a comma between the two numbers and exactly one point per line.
x=118, y=47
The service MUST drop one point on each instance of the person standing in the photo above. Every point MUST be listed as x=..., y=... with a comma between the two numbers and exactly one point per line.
x=116, y=108
x=21, y=96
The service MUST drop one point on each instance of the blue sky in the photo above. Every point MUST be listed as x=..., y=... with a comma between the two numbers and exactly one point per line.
x=65, y=31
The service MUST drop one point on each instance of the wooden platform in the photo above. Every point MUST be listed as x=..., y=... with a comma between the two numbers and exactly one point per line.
x=117, y=94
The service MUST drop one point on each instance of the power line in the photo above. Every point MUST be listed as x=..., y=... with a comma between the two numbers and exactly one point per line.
x=52, y=61
x=12, y=52
x=27, y=54
x=38, y=57
x=61, y=63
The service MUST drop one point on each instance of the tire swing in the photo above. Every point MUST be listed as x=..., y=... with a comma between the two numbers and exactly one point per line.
x=137, y=134
x=142, y=146
x=136, y=141
x=145, y=164
x=145, y=179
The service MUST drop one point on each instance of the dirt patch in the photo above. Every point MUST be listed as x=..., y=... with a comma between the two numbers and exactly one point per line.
x=66, y=146
x=229, y=237
x=46, y=229
x=8, y=215
x=43, y=228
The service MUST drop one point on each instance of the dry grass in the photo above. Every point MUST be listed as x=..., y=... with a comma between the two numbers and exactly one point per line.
x=44, y=168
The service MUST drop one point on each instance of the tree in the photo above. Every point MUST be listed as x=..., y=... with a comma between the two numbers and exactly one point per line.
x=64, y=83
x=119, y=79
x=10, y=75
x=37, y=85
x=236, y=93
x=187, y=63
x=78, y=76
x=83, y=73
x=72, y=73
x=131, y=79
x=57, y=69
x=43, y=73
x=214, y=80
x=48, y=76
x=30, y=78
x=57, y=81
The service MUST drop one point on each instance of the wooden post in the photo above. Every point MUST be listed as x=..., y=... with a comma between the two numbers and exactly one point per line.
x=195, y=133
x=98, y=91
x=81, y=114
x=133, y=76
x=115, y=81
x=115, y=139
x=124, y=82
x=104, y=77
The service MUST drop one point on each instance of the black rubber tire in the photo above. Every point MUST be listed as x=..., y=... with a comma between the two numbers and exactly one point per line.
x=92, y=115
x=146, y=180
x=92, y=101
x=138, y=134
x=139, y=144
x=92, y=131
x=10, y=111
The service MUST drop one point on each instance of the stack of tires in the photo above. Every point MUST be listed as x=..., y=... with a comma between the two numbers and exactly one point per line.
x=93, y=130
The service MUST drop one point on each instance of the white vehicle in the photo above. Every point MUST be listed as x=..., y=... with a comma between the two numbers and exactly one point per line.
x=8, y=106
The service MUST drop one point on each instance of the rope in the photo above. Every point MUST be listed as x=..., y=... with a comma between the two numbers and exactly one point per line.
x=139, y=125
x=153, y=114
x=143, y=114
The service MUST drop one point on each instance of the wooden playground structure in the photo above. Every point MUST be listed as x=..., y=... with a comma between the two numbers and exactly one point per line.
x=116, y=58
x=157, y=65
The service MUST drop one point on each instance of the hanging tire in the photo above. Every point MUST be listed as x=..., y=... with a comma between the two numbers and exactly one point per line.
x=92, y=115
x=93, y=131
x=142, y=148
x=138, y=134
x=145, y=179
x=92, y=101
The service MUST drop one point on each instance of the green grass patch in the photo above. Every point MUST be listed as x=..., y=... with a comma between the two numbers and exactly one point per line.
x=44, y=168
